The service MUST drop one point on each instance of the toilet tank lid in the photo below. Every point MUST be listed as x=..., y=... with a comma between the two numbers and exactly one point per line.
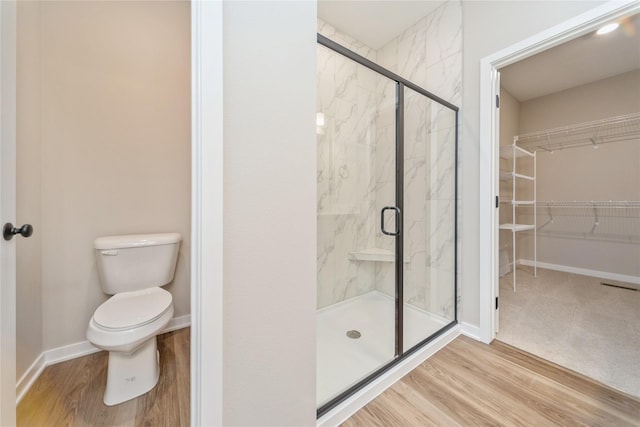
x=136, y=240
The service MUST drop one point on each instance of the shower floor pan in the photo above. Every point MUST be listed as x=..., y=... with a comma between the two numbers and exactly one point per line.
x=342, y=360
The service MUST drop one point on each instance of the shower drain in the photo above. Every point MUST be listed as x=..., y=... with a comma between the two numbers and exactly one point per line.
x=354, y=334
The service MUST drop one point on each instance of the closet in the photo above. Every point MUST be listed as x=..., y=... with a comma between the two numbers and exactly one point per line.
x=589, y=196
x=596, y=219
x=570, y=227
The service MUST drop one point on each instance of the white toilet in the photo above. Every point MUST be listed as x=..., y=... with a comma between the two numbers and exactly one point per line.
x=132, y=269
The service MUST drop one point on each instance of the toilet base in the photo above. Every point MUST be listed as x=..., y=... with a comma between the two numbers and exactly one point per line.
x=131, y=375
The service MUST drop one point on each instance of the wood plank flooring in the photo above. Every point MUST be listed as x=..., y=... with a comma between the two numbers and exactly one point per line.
x=70, y=393
x=467, y=383
x=470, y=383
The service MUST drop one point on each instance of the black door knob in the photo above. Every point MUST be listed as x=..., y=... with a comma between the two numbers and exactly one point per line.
x=8, y=231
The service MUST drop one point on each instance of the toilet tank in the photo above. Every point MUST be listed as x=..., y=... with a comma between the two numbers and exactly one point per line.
x=137, y=261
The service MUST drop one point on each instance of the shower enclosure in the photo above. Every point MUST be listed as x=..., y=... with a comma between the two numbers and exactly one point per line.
x=386, y=220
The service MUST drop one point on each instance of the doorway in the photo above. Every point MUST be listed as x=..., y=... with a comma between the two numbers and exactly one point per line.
x=103, y=132
x=581, y=194
x=598, y=216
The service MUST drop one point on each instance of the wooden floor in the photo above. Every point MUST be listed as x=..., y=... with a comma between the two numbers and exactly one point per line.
x=70, y=393
x=469, y=383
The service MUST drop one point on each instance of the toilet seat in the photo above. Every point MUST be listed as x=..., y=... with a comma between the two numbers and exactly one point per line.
x=130, y=310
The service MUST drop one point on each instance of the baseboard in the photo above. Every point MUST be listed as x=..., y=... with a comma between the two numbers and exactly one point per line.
x=342, y=412
x=72, y=351
x=583, y=271
x=29, y=377
x=470, y=331
x=178, y=323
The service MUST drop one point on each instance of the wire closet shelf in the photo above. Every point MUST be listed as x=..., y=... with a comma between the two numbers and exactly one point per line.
x=594, y=209
x=594, y=133
x=608, y=220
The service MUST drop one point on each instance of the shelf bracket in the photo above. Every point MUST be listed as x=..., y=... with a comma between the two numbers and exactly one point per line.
x=550, y=150
x=596, y=220
x=550, y=221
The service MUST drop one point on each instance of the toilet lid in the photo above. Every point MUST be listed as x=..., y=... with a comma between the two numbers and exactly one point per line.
x=131, y=309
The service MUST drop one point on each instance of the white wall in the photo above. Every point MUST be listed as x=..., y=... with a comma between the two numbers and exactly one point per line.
x=269, y=213
x=489, y=26
x=614, y=96
x=110, y=123
x=509, y=117
x=610, y=172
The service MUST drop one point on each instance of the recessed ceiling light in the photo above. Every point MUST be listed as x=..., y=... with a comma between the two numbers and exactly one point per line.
x=607, y=29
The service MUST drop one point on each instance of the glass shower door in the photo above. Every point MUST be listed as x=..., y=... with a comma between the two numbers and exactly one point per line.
x=429, y=217
x=355, y=126
x=386, y=220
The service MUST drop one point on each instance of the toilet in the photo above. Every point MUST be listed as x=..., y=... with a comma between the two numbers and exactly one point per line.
x=132, y=269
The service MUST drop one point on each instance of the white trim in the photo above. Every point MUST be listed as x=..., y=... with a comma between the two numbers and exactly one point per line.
x=471, y=331
x=544, y=40
x=8, y=10
x=30, y=376
x=178, y=323
x=73, y=351
x=51, y=357
x=68, y=352
x=340, y=413
x=207, y=161
x=583, y=271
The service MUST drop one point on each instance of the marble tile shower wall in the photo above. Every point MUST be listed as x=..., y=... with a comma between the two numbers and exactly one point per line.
x=429, y=54
x=347, y=100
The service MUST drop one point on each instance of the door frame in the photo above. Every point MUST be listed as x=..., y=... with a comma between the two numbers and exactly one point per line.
x=489, y=137
x=206, y=212
x=207, y=190
x=7, y=212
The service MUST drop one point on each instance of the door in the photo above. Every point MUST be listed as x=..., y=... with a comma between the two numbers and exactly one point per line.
x=7, y=213
x=429, y=207
x=387, y=202
x=357, y=223
x=495, y=268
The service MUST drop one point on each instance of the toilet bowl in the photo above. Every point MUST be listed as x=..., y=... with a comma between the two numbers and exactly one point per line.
x=132, y=269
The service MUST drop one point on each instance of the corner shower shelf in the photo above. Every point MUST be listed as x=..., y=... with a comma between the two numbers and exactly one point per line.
x=375, y=255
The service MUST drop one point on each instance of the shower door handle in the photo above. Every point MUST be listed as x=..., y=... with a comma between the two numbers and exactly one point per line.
x=398, y=221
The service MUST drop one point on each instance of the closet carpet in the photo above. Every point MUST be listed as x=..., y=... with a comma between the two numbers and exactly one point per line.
x=576, y=322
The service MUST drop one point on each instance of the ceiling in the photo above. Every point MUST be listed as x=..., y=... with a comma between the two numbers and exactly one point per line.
x=580, y=61
x=583, y=60
x=374, y=22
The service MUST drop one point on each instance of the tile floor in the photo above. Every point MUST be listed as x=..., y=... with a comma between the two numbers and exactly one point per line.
x=576, y=322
